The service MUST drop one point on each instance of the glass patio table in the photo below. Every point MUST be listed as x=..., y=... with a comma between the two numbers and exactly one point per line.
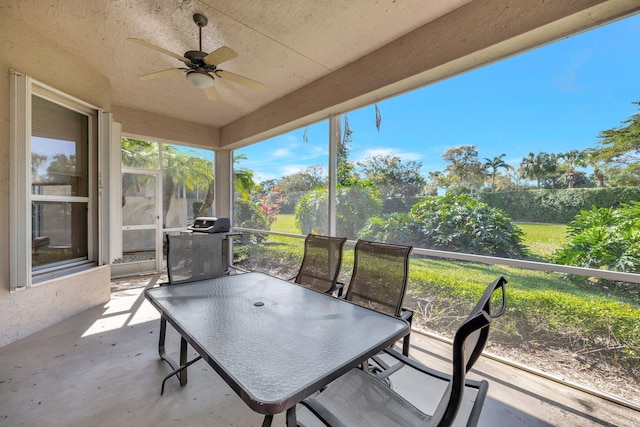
x=272, y=341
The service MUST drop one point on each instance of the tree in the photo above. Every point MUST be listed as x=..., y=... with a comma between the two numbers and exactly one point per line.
x=619, y=151
x=298, y=184
x=570, y=160
x=591, y=159
x=345, y=172
x=182, y=170
x=137, y=153
x=354, y=205
x=537, y=166
x=393, y=176
x=494, y=164
x=621, y=145
x=465, y=169
x=268, y=185
x=305, y=180
x=243, y=185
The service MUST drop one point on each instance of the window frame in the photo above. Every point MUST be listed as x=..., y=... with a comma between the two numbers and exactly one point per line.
x=22, y=274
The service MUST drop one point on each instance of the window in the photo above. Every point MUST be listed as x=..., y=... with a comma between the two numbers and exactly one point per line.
x=164, y=187
x=297, y=171
x=54, y=183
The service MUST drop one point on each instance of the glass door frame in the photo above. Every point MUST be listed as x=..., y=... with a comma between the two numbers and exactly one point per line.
x=149, y=266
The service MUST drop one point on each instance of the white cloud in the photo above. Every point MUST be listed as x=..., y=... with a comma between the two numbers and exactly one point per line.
x=291, y=169
x=404, y=155
x=282, y=152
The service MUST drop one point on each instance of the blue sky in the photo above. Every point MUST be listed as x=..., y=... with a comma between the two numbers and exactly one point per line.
x=554, y=99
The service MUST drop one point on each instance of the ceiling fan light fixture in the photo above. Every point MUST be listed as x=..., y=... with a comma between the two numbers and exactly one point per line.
x=200, y=79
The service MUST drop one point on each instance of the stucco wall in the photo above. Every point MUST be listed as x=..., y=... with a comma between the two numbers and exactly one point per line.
x=29, y=310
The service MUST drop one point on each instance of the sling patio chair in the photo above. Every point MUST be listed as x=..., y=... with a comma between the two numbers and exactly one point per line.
x=359, y=398
x=379, y=280
x=321, y=263
x=190, y=257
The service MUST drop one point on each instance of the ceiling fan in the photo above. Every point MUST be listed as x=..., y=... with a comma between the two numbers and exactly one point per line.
x=202, y=66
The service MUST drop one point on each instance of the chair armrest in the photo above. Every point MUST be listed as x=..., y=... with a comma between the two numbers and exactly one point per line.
x=406, y=314
x=338, y=287
x=413, y=364
x=243, y=270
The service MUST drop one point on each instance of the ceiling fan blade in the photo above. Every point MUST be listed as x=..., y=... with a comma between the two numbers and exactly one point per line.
x=162, y=73
x=212, y=93
x=219, y=56
x=158, y=49
x=236, y=78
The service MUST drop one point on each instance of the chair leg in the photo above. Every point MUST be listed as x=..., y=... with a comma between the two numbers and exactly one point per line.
x=406, y=344
x=407, y=338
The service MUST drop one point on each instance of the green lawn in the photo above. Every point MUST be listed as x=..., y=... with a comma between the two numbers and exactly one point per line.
x=541, y=239
x=285, y=223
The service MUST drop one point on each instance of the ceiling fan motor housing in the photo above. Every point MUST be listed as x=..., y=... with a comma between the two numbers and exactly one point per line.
x=196, y=60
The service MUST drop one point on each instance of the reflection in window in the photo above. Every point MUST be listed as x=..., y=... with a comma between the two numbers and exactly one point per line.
x=59, y=184
x=59, y=232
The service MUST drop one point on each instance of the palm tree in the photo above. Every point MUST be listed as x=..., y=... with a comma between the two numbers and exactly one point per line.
x=139, y=154
x=572, y=159
x=182, y=170
x=494, y=164
x=243, y=184
x=536, y=166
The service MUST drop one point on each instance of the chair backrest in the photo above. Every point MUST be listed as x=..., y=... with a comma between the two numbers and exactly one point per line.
x=468, y=343
x=321, y=262
x=379, y=278
x=194, y=256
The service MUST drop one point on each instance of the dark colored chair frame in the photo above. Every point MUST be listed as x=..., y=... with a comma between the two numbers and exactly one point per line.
x=321, y=274
x=328, y=402
x=213, y=266
x=367, y=278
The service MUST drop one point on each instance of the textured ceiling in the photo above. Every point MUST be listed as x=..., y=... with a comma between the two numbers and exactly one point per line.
x=285, y=44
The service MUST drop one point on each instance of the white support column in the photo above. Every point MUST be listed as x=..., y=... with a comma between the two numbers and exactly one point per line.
x=334, y=138
x=223, y=186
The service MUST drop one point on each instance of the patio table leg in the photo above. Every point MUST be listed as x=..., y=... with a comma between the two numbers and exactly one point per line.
x=267, y=421
x=183, y=361
x=291, y=417
x=181, y=371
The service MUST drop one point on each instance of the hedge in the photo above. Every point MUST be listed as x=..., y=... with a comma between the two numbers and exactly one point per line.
x=557, y=206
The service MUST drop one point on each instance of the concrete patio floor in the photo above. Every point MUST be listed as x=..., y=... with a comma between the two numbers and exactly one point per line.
x=101, y=368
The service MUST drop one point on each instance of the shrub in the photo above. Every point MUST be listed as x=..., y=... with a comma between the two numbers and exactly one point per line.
x=398, y=228
x=354, y=206
x=247, y=214
x=461, y=224
x=604, y=238
x=557, y=206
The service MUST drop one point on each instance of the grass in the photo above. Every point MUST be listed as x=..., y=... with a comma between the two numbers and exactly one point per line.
x=285, y=223
x=543, y=306
x=543, y=239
